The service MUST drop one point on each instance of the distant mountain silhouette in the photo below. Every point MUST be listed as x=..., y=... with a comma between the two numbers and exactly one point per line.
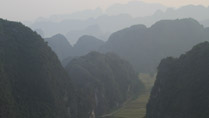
x=84, y=45
x=66, y=52
x=60, y=46
x=40, y=32
x=144, y=47
x=93, y=30
x=181, y=89
x=135, y=9
x=80, y=15
x=111, y=23
x=105, y=81
x=199, y=13
x=107, y=24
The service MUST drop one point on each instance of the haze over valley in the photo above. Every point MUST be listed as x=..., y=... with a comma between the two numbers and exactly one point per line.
x=104, y=59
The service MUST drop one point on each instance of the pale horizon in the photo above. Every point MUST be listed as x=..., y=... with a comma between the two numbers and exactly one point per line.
x=30, y=10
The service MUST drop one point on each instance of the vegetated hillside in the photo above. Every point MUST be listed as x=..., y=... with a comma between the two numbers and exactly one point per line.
x=84, y=45
x=105, y=80
x=144, y=47
x=67, y=60
x=181, y=89
x=33, y=83
x=60, y=46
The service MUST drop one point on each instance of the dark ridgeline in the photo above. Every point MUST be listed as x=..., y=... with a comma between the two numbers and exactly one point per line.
x=181, y=89
x=144, y=47
x=33, y=84
x=83, y=46
x=86, y=44
x=105, y=82
x=67, y=52
x=92, y=30
x=60, y=46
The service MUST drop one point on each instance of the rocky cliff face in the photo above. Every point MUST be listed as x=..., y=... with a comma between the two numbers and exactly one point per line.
x=104, y=80
x=33, y=83
x=181, y=89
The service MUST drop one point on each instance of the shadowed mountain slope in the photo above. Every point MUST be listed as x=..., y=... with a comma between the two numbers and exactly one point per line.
x=33, y=83
x=181, y=89
x=105, y=80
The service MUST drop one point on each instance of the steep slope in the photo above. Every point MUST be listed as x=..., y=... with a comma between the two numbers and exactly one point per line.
x=60, y=46
x=67, y=60
x=144, y=47
x=86, y=44
x=181, y=89
x=33, y=83
x=105, y=80
x=93, y=30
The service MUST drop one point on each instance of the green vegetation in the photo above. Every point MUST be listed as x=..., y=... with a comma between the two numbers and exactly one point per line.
x=132, y=109
x=148, y=80
x=32, y=81
x=33, y=84
x=181, y=88
x=135, y=108
x=106, y=80
x=60, y=45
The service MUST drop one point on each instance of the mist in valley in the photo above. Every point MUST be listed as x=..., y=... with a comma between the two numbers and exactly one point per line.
x=104, y=59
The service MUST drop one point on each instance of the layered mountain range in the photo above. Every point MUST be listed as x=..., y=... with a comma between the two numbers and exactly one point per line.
x=105, y=79
x=33, y=84
x=144, y=47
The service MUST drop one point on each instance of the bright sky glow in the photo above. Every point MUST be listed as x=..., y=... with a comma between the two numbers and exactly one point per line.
x=31, y=9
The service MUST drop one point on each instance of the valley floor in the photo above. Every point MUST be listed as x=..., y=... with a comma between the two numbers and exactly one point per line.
x=135, y=108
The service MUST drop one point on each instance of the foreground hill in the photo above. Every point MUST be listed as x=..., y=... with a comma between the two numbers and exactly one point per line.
x=105, y=80
x=181, y=89
x=144, y=47
x=33, y=83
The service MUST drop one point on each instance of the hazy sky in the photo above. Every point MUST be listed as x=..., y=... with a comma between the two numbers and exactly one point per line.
x=31, y=9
